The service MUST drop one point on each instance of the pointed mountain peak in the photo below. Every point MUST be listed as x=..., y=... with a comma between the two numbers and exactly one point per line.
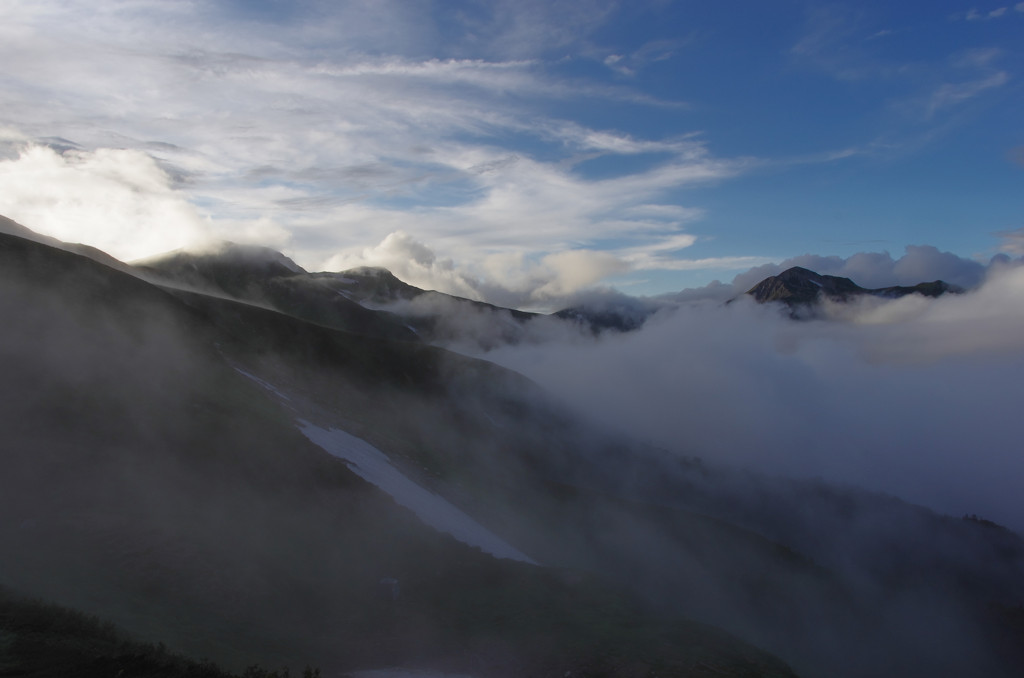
x=799, y=273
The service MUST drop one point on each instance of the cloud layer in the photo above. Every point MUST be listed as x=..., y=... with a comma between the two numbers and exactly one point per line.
x=916, y=397
x=120, y=201
x=326, y=130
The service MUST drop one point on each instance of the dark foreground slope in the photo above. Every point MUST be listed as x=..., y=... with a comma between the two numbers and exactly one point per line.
x=41, y=640
x=149, y=481
x=178, y=496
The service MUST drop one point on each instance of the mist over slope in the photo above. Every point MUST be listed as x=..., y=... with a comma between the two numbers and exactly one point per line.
x=152, y=477
x=162, y=470
x=913, y=396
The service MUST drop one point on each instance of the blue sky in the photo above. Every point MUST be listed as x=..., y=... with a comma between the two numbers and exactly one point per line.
x=518, y=151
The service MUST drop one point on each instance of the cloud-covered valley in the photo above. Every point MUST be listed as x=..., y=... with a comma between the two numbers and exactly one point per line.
x=914, y=397
x=766, y=431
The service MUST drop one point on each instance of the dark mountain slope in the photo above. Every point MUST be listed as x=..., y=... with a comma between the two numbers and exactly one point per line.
x=263, y=276
x=374, y=285
x=379, y=286
x=598, y=320
x=148, y=480
x=435, y=317
x=366, y=300
x=39, y=640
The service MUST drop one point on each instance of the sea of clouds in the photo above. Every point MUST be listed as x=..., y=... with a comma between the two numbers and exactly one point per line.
x=915, y=397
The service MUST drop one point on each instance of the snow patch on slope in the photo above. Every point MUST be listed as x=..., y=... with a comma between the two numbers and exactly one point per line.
x=262, y=383
x=372, y=465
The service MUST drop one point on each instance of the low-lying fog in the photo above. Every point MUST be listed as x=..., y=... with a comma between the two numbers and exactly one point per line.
x=915, y=397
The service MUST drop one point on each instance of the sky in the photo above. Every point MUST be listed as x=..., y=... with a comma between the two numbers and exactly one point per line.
x=519, y=151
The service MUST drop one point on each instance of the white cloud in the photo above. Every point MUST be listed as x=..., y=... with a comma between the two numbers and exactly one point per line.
x=628, y=65
x=917, y=398
x=270, y=125
x=528, y=209
x=504, y=278
x=573, y=270
x=950, y=94
x=325, y=128
x=711, y=263
x=120, y=201
x=614, y=62
x=413, y=262
x=1012, y=242
x=661, y=254
x=514, y=28
x=974, y=14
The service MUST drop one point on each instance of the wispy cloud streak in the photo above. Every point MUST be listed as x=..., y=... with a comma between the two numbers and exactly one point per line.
x=331, y=147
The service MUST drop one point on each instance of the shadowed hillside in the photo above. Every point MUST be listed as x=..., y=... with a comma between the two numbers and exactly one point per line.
x=148, y=480
x=158, y=476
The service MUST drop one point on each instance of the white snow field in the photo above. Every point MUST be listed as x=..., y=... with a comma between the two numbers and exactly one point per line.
x=372, y=465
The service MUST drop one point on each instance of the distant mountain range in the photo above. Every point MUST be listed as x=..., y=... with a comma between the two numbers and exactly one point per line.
x=341, y=300
x=256, y=464
x=265, y=276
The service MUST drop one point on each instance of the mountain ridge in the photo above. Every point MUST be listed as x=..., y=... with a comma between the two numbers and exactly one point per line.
x=372, y=300
x=801, y=287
